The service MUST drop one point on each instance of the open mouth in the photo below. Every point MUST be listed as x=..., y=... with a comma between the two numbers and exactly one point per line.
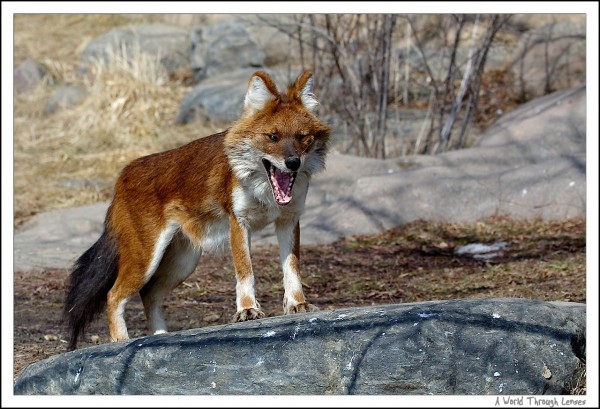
x=281, y=183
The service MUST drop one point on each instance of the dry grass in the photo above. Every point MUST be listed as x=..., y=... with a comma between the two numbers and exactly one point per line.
x=130, y=111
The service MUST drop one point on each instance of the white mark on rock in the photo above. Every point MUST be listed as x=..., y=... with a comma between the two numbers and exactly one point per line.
x=572, y=183
x=415, y=324
x=79, y=371
x=523, y=192
x=496, y=374
x=495, y=315
x=213, y=385
x=426, y=315
x=268, y=334
x=313, y=320
x=295, y=332
x=162, y=370
x=260, y=362
x=349, y=366
x=341, y=316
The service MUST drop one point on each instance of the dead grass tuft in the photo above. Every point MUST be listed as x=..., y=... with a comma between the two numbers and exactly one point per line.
x=129, y=112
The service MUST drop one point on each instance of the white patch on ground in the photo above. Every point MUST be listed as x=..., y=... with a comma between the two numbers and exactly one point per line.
x=495, y=315
x=268, y=334
x=481, y=251
x=427, y=315
x=478, y=248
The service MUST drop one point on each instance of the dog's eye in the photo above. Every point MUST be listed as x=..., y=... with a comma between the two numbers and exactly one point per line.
x=272, y=137
x=305, y=138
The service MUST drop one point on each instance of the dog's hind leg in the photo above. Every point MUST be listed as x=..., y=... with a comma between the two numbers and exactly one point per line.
x=137, y=265
x=177, y=264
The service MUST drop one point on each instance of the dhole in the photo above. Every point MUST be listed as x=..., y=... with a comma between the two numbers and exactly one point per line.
x=170, y=207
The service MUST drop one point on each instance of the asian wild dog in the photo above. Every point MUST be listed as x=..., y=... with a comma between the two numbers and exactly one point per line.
x=170, y=207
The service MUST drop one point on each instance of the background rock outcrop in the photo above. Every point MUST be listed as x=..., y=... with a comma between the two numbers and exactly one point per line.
x=531, y=163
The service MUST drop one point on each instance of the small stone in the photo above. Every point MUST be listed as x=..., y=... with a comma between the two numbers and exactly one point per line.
x=210, y=318
x=50, y=337
x=546, y=372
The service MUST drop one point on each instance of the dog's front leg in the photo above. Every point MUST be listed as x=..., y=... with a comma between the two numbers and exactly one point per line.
x=247, y=306
x=288, y=235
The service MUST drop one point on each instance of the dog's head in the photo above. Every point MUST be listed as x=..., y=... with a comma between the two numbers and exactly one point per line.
x=278, y=139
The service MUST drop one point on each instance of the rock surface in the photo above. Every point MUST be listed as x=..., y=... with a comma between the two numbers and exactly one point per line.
x=165, y=43
x=531, y=163
x=224, y=47
x=64, y=97
x=27, y=76
x=467, y=347
x=220, y=99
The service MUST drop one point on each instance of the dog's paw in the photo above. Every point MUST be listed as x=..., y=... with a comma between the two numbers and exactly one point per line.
x=248, y=314
x=299, y=308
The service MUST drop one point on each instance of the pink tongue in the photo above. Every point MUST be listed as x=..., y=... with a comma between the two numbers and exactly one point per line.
x=283, y=180
x=282, y=183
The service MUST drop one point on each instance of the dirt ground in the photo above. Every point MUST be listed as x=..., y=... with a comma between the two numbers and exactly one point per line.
x=417, y=262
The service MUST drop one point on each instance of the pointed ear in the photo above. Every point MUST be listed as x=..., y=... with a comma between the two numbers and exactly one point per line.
x=303, y=88
x=261, y=90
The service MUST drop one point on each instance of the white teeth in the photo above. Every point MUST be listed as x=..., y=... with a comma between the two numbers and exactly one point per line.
x=281, y=197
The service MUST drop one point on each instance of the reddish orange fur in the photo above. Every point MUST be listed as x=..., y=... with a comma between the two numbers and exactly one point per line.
x=190, y=191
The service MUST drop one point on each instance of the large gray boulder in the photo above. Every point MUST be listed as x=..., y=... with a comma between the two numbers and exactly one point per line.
x=220, y=99
x=531, y=163
x=466, y=347
x=27, y=76
x=223, y=47
x=56, y=239
x=167, y=44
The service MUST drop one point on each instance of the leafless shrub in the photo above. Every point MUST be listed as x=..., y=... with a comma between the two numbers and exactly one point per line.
x=451, y=101
x=375, y=65
x=354, y=51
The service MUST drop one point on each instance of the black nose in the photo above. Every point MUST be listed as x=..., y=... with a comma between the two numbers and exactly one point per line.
x=292, y=163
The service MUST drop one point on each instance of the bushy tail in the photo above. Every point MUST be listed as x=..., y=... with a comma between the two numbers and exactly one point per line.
x=93, y=275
